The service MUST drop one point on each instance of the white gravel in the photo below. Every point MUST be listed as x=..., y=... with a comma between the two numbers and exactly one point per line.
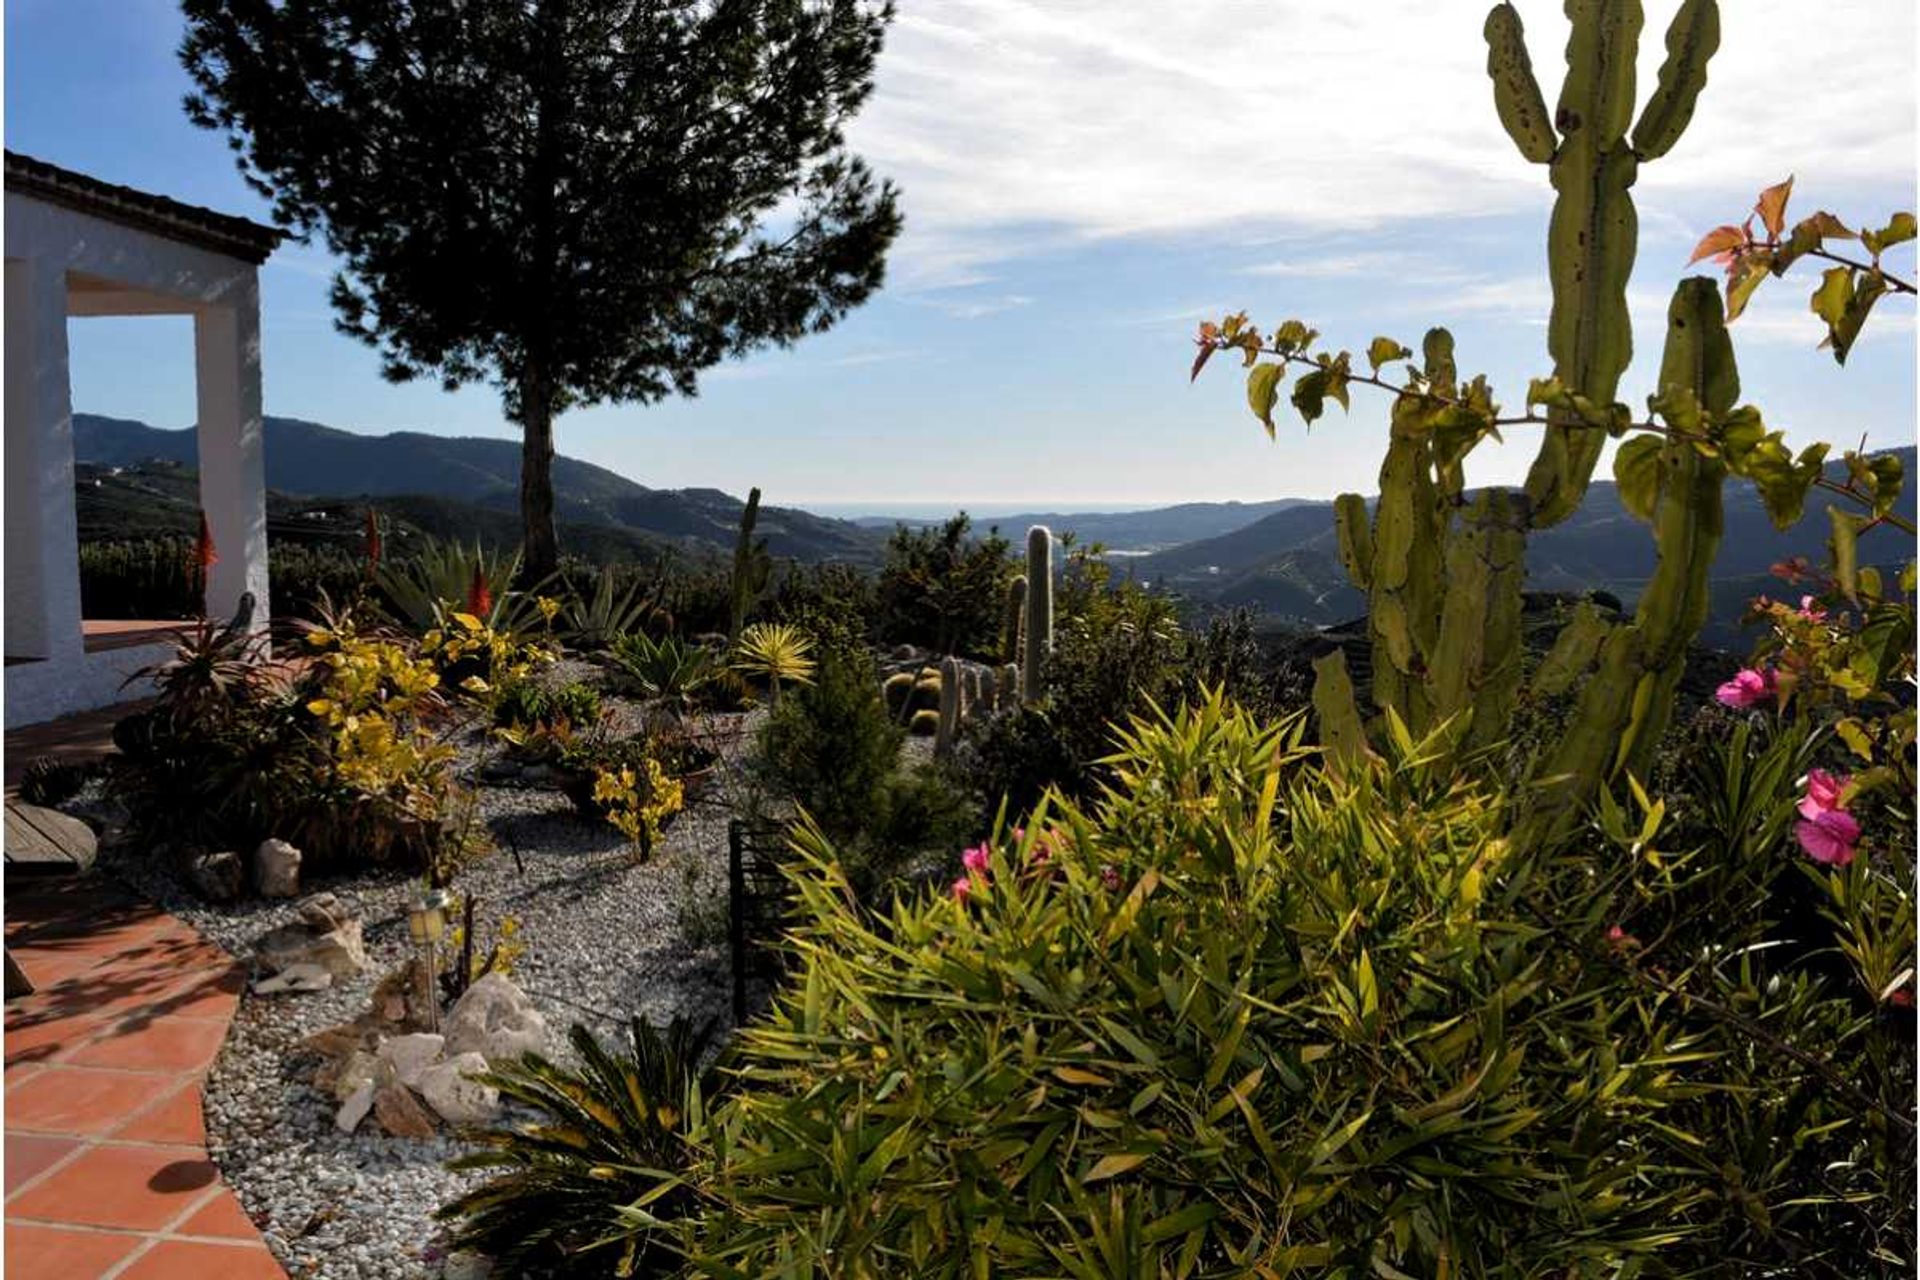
x=604, y=943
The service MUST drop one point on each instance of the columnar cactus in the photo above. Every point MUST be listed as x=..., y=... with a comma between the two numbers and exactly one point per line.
x=950, y=680
x=1594, y=231
x=1039, y=612
x=1012, y=613
x=1443, y=572
x=1009, y=687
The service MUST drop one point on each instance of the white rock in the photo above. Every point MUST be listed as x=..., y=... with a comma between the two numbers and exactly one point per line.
x=411, y=1055
x=295, y=977
x=276, y=869
x=362, y=1070
x=496, y=1020
x=459, y=1100
x=355, y=1108
x=463, y=1265
x=339, y=951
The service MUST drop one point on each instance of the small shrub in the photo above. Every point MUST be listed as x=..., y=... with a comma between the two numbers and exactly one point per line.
x=942, y=589
x=530, y=703
x=831, y=746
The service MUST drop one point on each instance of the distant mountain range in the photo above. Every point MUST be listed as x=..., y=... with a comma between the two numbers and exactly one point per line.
x=1277, y=557
x=306, y=459
x=1149, y=530
x=1287, y=564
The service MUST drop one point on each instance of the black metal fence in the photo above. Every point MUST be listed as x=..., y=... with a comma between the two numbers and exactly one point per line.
x=757, y=900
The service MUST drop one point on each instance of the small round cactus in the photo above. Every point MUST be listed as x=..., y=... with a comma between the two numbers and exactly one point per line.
x=897, y=689
x=924, y=724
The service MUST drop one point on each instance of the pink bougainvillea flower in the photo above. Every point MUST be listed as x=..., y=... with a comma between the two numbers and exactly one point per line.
x=1810, y=611
x=1620, y=939
x=1792, y=569
x=1823, y=793
x=1110, y=878
x=1749, y=688
x=1829, y=838
x=961, y=888
x=976, y=859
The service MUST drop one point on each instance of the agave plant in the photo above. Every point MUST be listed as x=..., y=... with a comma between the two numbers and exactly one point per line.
x=609, y=1139
x=595, y=621
x=669, y=669
x=419, y=586
x=776, y=651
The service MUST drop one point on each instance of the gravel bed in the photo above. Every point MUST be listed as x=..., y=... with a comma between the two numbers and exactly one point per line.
x=604, y=942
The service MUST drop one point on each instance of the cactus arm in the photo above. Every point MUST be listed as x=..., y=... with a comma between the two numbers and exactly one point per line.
x=950, y=680
x=1355, y=538
x=1013, y=611
x=1596, y=98
x=1039, y=612
x=1477, y=653
x=1692, y=38
x=1516, y=93
x=1341, y=734
x=1573, y=651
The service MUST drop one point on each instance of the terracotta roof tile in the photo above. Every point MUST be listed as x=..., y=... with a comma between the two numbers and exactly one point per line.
x=205, y=228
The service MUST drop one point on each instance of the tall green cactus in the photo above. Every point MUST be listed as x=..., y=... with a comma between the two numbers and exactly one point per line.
x=751, y=567
x=1039, y=613
x=1442, y=571
x=1012, y=611
x=1594, y=230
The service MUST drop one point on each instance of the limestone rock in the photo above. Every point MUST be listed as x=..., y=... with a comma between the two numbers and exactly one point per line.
x=447, y=1088
x=337, y=1042
x=276, y=869
x=217, y=877
x=355, y=1108
x=295, y=977
x=496, y=1020
x=400, y=1113
x=410, y=1055
x=338, y=951
x=322, y=912
x=342, y=1077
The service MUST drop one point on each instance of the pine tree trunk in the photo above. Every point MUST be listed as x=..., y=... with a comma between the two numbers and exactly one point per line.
x=540, y=549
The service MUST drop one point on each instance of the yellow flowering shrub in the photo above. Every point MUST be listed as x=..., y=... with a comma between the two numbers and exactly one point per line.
x=638, y=801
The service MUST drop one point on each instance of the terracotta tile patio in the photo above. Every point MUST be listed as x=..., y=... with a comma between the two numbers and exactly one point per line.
x=107, y=1172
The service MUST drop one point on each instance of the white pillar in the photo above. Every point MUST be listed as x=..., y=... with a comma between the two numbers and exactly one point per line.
x=232, y=440
x=42, y=536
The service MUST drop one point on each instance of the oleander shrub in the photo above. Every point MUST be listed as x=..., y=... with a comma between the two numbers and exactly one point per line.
x=1248, y=1015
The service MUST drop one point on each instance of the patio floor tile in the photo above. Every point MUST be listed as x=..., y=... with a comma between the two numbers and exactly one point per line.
x=58, y=1253
x=138, y=1188
x=107, y=1169
x=174, y=1119
x=188, y=1260
x=80, y=1101
x=30, y=1155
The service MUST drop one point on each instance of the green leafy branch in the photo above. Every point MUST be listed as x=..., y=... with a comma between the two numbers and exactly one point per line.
x=1847, y=291
x=1458, y=417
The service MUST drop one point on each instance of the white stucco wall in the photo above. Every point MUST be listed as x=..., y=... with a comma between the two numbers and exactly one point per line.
x=47, y=245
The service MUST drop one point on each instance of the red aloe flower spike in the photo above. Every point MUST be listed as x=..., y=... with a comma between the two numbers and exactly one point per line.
x=479, y=597
x=373, y=540
x=204, y=554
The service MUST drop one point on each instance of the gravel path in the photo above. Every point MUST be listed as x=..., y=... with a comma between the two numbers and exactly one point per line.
x=605, y=941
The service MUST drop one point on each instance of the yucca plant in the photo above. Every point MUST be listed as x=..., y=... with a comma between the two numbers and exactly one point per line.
x=441, y=574
x=593, y=621
x=668, y=669
x=601, y=1161
x=775, y=651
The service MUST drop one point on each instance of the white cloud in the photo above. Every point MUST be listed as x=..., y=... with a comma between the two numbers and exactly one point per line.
x=1014, y=126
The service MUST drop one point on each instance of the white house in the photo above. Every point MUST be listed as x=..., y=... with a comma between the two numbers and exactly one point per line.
x=77, y=246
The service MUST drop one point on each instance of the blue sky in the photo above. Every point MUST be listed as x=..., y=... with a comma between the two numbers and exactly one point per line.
x=1083, y=182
